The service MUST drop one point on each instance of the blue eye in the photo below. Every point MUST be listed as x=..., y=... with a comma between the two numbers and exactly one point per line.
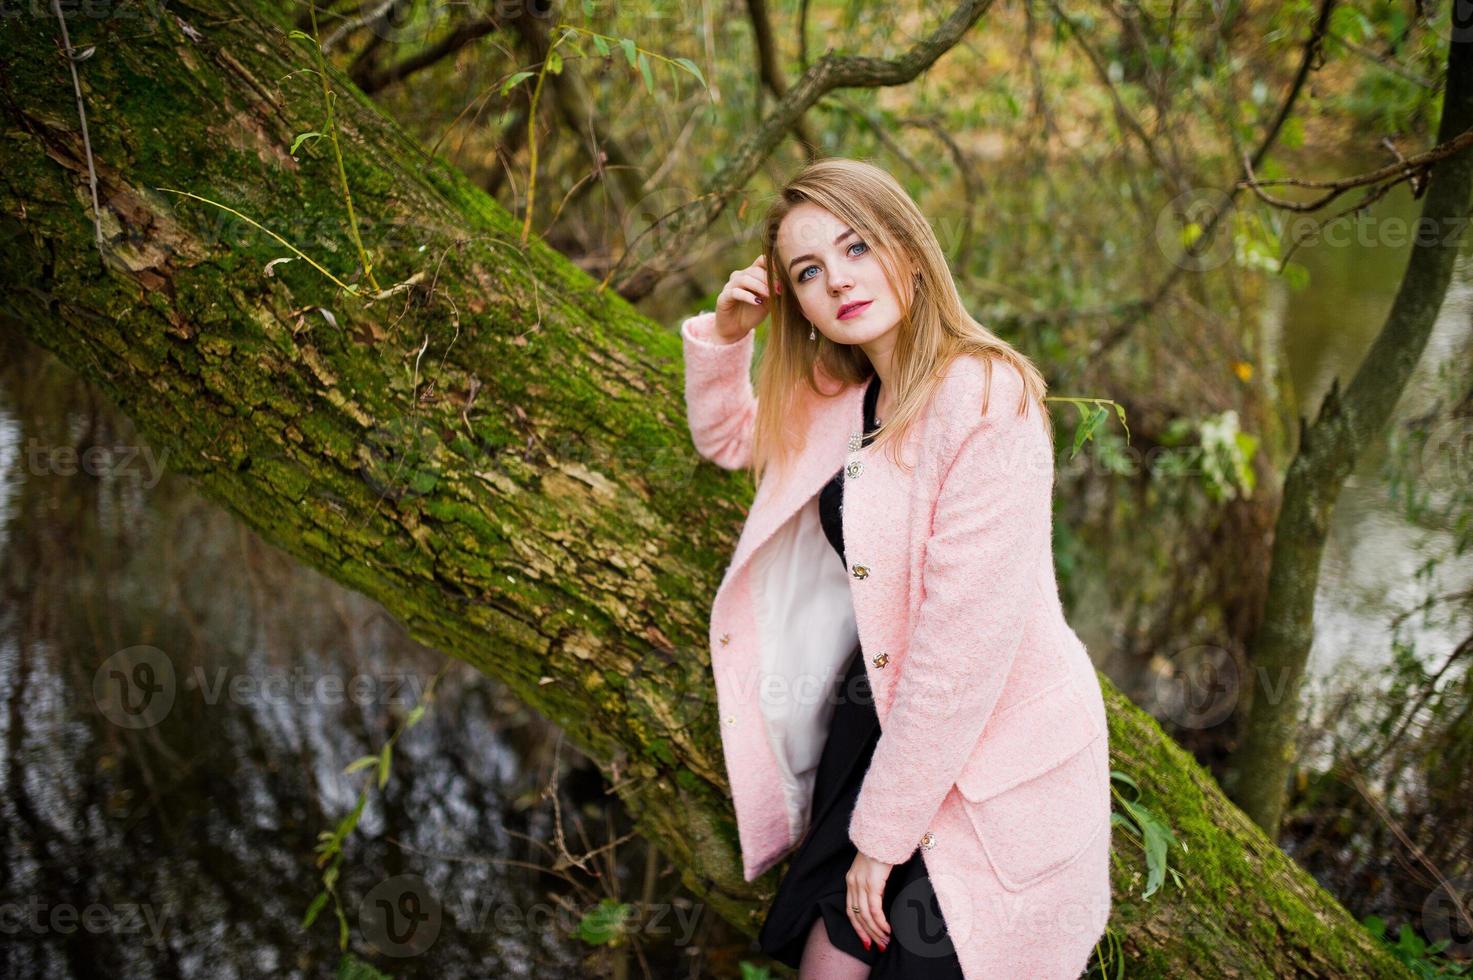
x=803, y=273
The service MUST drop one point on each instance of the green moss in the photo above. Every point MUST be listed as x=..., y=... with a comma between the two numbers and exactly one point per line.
x=660, y=749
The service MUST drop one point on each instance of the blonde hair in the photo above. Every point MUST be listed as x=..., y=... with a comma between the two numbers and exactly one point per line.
x=934, y=328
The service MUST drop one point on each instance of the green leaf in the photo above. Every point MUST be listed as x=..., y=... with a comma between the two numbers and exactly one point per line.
x=317, y=905
x=515, y=80
x=304, y=136
x=385, y=757
x=601, y=45
x=1156, y=837
x=1120, y=411
x=414, y=716
x=351, y=967
x=629, y=51
x=554, y=63
x=362, y=762
x=603, y=925
x=691, y=67
x=649, y=76
x=1087, y=428
x=346, y=825
x=1296, y=276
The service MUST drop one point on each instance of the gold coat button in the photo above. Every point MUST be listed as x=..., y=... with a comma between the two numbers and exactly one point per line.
x=928, y=841
x=731, y=719
x=855, y=468
x=725, y=638
x=859, y=571
x=881, y=659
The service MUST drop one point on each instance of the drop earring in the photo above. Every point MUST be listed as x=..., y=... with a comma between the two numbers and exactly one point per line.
x=811, y=334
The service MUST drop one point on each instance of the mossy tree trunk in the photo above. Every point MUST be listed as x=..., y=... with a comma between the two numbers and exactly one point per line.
x=496, y=451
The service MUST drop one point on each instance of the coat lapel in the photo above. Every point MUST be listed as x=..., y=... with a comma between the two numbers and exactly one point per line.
x=781, y=494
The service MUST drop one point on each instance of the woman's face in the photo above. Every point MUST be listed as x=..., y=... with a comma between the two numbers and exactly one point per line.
x=834, y=271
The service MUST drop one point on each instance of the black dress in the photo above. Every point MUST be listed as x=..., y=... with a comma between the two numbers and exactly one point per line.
x=814, y=882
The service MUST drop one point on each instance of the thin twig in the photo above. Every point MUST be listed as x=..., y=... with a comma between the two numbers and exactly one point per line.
x=332, y=131
x=1417, y=852
x=1406, y=168
x=71, y=61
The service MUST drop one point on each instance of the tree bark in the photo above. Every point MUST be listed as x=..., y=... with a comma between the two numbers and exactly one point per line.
x=495, y=449
x=1327, y=454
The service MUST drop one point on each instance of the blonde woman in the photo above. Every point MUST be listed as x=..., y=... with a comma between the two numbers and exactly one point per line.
x=904, y=710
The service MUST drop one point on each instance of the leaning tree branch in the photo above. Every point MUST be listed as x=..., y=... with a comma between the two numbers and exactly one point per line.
x=771, y=73
x=830, y=72
x=373, y=78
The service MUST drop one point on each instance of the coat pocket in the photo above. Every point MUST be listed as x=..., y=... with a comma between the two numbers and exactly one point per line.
x=1036, y=787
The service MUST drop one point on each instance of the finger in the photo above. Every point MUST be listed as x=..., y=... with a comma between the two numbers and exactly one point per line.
x=876, y=911
x=746, y=296
x=851, y=903
x=757, y=284
x=866, y=920
x=865, y=935
x=854, y=921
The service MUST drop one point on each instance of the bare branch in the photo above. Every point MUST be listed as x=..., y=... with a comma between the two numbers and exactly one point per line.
x=831, y=72
x=1410, y=168
x=1307, y=63
x=372, y=78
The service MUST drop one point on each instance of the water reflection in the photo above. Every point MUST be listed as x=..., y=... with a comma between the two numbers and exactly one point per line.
x=147, y=839
x=1369, y=572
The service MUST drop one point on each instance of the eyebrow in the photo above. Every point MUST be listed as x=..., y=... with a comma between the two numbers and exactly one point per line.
x=842, y=235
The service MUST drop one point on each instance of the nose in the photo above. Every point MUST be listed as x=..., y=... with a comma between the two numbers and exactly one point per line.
x=840, y=280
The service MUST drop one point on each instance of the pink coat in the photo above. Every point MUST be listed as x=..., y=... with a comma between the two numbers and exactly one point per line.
x=993, y=755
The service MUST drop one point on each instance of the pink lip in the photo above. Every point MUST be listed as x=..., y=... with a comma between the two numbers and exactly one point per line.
x=853, y=309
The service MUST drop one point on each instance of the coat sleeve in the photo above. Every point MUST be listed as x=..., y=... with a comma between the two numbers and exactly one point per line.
x=719, y=405
x=989, y=535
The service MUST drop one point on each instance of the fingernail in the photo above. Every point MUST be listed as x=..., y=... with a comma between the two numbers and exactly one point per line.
x=865, y=940
x=759, y=299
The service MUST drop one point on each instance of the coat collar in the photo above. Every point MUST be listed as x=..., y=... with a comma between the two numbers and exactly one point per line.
x=832, y=421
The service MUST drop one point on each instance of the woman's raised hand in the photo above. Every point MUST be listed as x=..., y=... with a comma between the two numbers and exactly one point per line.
x=742, y=304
